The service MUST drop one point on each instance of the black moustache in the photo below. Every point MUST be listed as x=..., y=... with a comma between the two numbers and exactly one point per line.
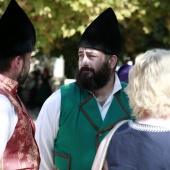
x=86, y=69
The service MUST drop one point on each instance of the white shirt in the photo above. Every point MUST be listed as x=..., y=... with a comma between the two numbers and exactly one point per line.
x=8, y=119
x=47, y=124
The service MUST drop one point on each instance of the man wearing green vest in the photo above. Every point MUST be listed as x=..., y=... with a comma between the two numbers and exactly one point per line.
x=74, y=119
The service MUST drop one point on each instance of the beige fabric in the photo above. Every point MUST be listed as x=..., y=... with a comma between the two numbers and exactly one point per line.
x=99, y=161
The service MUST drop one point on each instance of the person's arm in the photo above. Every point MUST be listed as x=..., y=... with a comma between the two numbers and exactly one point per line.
x=8, y=120
x=47, y=126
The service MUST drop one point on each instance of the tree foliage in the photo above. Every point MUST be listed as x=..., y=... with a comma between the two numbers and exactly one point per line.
x=59, y=24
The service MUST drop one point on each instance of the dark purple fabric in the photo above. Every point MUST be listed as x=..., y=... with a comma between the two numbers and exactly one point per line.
x=123, y=72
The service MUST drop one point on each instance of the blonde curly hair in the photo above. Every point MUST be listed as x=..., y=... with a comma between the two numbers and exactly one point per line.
x=149, y=84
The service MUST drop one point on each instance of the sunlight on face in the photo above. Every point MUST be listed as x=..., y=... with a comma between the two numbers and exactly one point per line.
x=90, y=58
x=94, y=71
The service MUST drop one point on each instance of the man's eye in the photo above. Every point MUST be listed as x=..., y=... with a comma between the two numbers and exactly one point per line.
x=91, y=56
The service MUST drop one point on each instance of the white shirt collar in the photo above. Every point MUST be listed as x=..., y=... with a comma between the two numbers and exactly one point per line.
x=117, y=85
x=103, y=109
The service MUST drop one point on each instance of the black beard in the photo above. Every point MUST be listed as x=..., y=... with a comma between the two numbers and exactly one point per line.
x=22, y=80
x=94, y=81
x=22, y=77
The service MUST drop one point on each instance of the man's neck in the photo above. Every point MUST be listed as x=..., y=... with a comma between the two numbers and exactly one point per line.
x=103, y=93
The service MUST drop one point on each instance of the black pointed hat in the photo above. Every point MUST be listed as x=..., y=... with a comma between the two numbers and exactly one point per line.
x=17, y=33
x=103, y=34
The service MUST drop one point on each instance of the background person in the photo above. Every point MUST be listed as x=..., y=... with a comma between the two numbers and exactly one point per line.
x=18, y=148
x=44, y=89
x=75, y=118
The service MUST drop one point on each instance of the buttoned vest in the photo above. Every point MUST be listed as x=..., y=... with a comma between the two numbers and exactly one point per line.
x=81, y=128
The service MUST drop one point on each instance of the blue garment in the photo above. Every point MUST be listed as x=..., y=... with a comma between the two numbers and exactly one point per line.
x=139, y=147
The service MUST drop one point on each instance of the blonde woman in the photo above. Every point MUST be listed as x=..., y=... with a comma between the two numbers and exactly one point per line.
x=144, y=143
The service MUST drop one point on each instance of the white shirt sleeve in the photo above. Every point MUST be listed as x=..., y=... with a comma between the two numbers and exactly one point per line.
x=8, y=121
x=47, y=126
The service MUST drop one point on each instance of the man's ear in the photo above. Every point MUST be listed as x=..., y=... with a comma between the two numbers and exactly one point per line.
x=113, y=61
x=17, y=62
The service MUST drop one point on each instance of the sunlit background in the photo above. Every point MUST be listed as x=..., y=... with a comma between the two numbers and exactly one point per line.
x=144, y=24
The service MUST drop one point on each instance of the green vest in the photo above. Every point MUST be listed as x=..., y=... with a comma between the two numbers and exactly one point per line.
x=82, y=128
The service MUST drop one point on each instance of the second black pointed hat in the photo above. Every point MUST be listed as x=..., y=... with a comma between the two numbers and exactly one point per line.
x=17, y=33
x=103, y=34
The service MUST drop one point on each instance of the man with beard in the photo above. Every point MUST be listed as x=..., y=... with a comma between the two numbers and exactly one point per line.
x=18, y=148
x=74, y=119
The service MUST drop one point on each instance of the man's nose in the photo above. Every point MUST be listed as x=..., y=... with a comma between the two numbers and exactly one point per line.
x=85, y=60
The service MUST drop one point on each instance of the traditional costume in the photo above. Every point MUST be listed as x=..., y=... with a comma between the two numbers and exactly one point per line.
x=18, y=148
x=77, y=123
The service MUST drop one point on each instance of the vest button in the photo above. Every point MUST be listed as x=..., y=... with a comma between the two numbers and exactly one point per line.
x=100, y=134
